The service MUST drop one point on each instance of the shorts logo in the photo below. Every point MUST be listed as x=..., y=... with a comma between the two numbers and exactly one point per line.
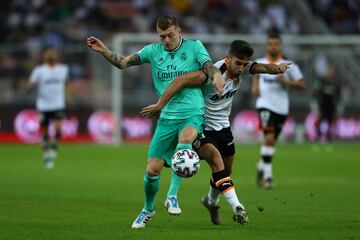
x=183, y=56
x=230, y=143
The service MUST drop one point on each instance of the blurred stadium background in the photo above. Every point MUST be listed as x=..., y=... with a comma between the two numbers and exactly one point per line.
x=29, y=26
x=322, y=36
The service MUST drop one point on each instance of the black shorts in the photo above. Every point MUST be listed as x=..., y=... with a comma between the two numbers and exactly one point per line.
x=223, y=140
x=46, y=117
x=271, y=121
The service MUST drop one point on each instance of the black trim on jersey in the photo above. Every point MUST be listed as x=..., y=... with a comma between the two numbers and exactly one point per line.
x=179, y=46
x=222, y=68
x=251, y=67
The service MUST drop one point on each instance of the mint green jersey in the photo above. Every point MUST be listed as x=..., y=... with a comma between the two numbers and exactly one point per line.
x=189, y=56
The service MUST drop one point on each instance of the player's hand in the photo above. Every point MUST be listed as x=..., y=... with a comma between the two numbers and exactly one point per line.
x=219, y=83
x=152, y=110
x=95, y=44
x=283, y=67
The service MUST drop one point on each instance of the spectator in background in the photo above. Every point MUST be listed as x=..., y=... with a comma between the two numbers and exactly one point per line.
x=327, y=92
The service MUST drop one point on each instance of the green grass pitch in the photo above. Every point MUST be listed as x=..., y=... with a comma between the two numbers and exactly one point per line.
x=95, y=192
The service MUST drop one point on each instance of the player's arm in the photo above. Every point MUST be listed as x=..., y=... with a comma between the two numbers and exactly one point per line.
x=255, y=86
x=116, y=60
x=192, y=79
x=214, y=75
x=33, y=80
x=30, y=86
x=269, y=68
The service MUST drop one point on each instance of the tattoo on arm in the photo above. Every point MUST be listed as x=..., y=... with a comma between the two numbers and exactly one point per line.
x=210, y=70
x=123, y=62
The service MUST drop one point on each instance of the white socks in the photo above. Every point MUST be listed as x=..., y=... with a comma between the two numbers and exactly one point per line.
x=264, y=164
x=232, y=199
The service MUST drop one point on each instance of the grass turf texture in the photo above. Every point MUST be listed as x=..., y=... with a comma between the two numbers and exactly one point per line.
x=95, y=192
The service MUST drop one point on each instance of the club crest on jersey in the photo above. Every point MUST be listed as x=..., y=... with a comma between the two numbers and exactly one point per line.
x=226, y=95
x=161, y=60
x=183, y=56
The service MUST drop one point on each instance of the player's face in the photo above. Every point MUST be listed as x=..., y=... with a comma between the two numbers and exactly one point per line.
x=51, y=56
x=169, y=37
x=274, y=47
x=236, y=65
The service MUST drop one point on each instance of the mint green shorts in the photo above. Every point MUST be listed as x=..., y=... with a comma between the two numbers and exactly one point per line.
x=166, y=136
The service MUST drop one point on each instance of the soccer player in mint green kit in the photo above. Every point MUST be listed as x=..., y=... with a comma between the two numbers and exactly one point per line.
x=181, y=120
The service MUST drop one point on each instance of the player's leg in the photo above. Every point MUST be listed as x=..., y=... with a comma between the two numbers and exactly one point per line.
x=228, y=163
x=44, y=130
x=267, y=152
x=160, y=152
x=151, y=186
x=188, y=132
x=220, y=183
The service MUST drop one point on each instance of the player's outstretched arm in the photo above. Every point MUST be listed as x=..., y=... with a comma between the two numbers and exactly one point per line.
x=214, y=75
x=118, y=61
x=192, y=79
x=270, y=68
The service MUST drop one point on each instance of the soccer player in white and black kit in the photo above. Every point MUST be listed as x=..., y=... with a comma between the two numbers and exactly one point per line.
x=272, y=104
x=216, y=145
x=50, y=79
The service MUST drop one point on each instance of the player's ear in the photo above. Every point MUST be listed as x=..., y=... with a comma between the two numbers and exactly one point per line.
x=179, y=29
x=227, y=59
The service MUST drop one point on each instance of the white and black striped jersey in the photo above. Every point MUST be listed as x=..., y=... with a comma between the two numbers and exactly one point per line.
x=273, y=95
x=218, y=108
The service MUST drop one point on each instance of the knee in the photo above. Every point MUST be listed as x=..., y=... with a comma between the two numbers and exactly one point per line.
x=153, y=169
x=270, y=141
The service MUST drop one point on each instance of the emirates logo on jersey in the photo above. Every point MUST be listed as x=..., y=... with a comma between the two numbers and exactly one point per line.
x=225, y=95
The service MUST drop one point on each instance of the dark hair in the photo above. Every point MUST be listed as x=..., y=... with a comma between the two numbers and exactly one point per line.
x=241, y=49
x=274, y=35
x=164, y=22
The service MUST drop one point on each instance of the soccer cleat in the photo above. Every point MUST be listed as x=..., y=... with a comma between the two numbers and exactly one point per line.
x=213, y=210
x=48, y=159
x=172, y=205
x=268, y=183
x=142, y=219
x=240, y=216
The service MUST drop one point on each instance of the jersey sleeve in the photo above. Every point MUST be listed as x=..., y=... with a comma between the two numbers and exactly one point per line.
x=67, y=73
x=202, y=54
x=34, y=76
x=250, y=67
x=294, y=72
x=145, y=54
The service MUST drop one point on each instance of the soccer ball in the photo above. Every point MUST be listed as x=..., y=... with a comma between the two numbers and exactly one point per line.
x=185, y=163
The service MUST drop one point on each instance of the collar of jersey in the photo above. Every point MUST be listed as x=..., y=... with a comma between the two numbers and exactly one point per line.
x=177, y=48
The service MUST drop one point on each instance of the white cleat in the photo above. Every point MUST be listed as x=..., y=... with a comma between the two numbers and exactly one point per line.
x=172, y=205
x=142, y=219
